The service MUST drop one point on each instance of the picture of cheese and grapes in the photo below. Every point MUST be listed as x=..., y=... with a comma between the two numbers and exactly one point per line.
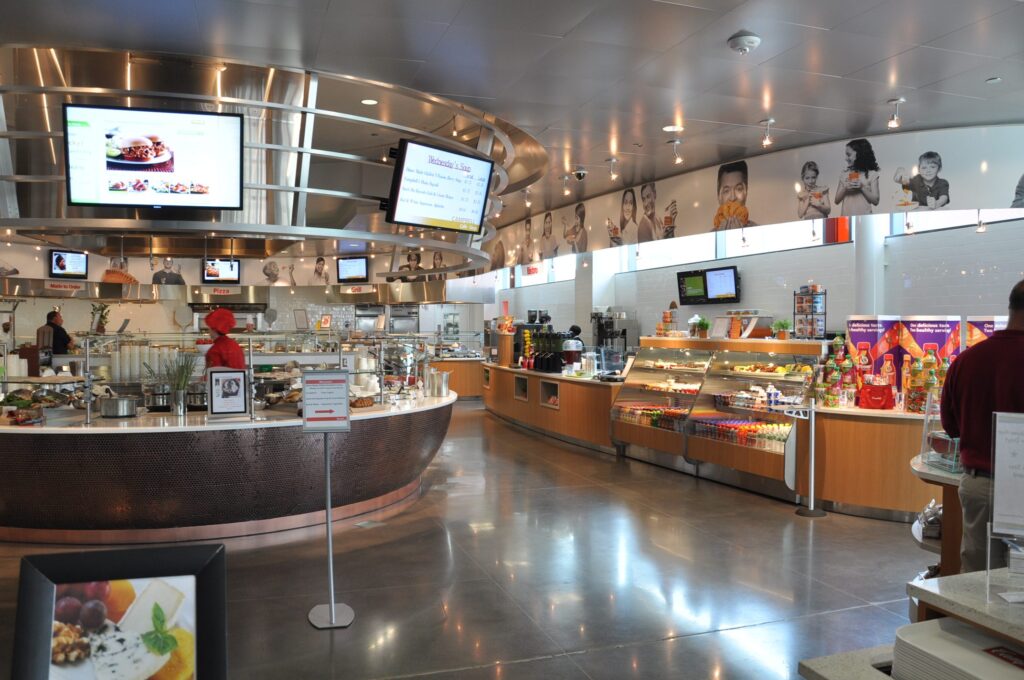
x=138, y=629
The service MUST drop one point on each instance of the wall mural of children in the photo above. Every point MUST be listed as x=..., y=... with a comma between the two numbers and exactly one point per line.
x=926, y=188
x=812, y=201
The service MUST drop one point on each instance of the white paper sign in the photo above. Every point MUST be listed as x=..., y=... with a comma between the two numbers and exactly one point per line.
x=226, y=391
x=325, y=401
x=1008, y=474
x=348, y=361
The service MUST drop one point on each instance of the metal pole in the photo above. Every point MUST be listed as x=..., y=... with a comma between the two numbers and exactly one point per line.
x=330, y=536
x=252, y=384
x=810, y=510
x=88, y=383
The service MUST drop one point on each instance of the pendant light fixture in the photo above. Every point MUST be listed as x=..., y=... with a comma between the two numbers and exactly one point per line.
x=767, y=140
x=894, y=120
x=455, y=130
x=982, y=227
x=526, y=198
x=675, y=151
x=612, y=175
x=497, y=210
x=565, y=185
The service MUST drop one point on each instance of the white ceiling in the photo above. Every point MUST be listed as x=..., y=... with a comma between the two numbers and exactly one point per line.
x=596, y=78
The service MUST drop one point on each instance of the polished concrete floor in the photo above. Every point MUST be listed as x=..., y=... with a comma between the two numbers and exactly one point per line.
x=530, y=559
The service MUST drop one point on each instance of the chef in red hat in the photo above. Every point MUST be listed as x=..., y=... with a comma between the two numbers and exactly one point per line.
x=225, y=351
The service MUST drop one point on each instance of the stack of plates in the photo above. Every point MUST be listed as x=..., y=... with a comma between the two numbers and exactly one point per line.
x=1015, y=557
x=946, y=649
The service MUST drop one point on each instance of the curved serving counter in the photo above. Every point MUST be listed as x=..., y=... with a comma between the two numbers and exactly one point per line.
x=161, y=478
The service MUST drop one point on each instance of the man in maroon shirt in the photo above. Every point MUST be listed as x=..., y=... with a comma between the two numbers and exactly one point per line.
x=986, y=378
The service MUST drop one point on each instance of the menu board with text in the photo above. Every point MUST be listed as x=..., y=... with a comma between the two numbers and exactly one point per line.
x=437, y=188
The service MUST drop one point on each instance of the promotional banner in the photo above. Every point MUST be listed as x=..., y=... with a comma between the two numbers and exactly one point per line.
x=920, y=331
x=876, y=335
x=980, y=328
x=958, y=169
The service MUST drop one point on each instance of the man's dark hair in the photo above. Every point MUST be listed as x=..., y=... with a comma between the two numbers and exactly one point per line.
x=738, y=166
x=575, y=330
x=50, y=316
x=1017, y=297
x=413, y=255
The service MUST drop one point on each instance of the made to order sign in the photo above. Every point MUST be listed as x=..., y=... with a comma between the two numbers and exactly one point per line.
x=325, y=401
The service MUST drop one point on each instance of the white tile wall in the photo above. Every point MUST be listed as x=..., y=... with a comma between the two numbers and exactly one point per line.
x=558, y=298
x=767, y=282
x=956, y=271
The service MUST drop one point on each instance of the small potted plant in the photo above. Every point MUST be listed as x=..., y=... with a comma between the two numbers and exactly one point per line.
x=101, y=314
x=702, y=327
x=781, y=328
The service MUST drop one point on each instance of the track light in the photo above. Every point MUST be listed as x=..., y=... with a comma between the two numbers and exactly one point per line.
x=384, y=155
x=611, y=169
x=982, y=227
x=675, y=150
x=526, y=198
x=455, y=130
x=565, y=185
x=894, y=119
x=767, y=140
x=497, y=210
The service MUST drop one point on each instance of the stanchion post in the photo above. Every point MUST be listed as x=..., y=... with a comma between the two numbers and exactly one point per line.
x=810, y=510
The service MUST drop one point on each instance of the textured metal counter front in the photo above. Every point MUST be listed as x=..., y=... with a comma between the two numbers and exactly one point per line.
x=156, y=481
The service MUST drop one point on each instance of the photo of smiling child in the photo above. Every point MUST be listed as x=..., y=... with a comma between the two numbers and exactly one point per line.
x=812, y=202
x=926, y=188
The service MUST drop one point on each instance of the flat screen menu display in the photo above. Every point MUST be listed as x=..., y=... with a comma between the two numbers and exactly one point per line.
x=439, y=189
x=222, y=271
x=353, y=270
x=144, y=157
x=66, y=264
x=708, y=286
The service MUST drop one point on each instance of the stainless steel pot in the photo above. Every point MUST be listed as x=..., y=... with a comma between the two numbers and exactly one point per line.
x=119, y=407
x=156, y=401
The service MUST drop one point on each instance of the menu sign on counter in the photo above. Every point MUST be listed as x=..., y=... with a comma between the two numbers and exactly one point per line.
x=226, y=390
x=325, y=401
x=440, y=189
x=1008, y=474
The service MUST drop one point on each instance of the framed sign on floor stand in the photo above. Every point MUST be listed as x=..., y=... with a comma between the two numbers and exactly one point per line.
x=1007, y=502
x=325, y=410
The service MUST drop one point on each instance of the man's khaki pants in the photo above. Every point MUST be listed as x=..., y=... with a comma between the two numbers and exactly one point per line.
x=976, y=500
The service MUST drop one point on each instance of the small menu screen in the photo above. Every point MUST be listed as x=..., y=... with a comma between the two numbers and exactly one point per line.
x=142, y=157
x=440, y=189
x=222, y=271
x=65, y=264
x=353, y=270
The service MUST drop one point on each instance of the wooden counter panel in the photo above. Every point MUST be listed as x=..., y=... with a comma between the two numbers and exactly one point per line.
x=866, y=461
x=467, y=377
x=583, y=413
x=754, y=461
x=668, y=441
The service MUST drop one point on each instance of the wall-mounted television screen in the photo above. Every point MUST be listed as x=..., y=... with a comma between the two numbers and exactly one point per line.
x=222, y=271
x=708, y=286
x=354, y=270
x=115, y=156
x=67, y=264
x=439, y=189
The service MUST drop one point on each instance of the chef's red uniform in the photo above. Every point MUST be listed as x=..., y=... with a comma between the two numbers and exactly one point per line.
x=225, y=351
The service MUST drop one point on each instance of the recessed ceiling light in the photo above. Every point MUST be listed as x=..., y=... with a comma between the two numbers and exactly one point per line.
x=994, y=80
x=672, y=128
x=369, y=102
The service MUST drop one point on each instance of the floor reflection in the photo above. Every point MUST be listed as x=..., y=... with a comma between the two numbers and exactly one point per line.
x=529, y=559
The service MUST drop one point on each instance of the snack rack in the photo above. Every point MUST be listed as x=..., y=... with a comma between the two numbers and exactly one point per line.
x=809, y=315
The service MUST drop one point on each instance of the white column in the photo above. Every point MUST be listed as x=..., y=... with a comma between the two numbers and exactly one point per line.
x=869, y=263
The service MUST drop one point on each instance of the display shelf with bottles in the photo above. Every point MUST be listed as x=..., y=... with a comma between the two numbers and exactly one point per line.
x=661, y=386
x=742, y=417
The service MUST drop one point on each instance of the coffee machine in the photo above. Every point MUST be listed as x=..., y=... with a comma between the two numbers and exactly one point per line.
x=615, y=331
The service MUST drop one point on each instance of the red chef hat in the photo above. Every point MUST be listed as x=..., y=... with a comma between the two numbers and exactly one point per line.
x=220, y=320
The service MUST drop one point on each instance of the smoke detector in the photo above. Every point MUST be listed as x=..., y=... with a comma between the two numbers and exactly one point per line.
x=744, y=42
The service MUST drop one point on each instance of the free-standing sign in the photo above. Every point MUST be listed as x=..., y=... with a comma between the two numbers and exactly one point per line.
x=1008, y=474
x=325, y=401
x=226, y=391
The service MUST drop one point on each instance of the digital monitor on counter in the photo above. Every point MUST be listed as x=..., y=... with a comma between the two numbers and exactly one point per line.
x=152, y=158
x=708, y=286
x=67, y=264
x=354, y=270
x=436, y=188
x=222, y=271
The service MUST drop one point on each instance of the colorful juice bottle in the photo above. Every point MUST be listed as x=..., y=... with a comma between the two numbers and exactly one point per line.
x=942, y=371
x=917, y=374
x=865, y=366
x=905, y=374
x=931, y=359
x=889, y=371
x=931, y=383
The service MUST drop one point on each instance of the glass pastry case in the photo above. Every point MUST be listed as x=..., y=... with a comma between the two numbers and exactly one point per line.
x=661, y=387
